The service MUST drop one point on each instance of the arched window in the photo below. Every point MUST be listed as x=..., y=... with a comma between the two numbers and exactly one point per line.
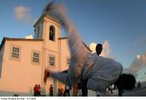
x=52, y=33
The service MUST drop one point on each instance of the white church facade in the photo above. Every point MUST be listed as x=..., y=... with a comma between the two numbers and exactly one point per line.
x=22, y=61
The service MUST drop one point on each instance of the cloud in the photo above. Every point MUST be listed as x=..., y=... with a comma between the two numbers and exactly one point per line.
x=29, y=37
x=138, y=63
x=92, y=46
x=138, y=57
x=142, y=58
x=22, y=13
x=106, y=48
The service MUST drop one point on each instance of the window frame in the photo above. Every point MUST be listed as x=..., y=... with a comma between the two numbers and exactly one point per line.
x=54, y=62
x=15, y=53
x=32, y=57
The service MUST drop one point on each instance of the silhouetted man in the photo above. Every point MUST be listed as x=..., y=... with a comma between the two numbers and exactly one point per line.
x=83, y=82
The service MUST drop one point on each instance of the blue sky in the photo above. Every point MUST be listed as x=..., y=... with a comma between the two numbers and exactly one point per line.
x=122, y=23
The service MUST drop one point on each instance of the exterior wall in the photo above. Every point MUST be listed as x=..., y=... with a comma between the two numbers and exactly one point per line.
x=20, y=75
x=65, y=54
x=1, y=60
x=55, y=68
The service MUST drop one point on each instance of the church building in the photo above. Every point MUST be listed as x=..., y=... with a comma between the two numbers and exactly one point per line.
x=23, y=61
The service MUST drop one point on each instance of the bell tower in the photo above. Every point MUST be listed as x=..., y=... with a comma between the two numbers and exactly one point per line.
x=47, y=28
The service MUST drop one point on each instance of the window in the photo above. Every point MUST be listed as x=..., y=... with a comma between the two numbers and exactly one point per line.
x=52, y=33
x=51, y=60
x=15, y=52
x=35, y=57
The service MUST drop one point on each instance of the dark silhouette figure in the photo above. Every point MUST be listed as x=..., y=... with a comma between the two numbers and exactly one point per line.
x=139, y=85
x=36, y=90
x=84, y=87
x=99, y=48
x=125, y=82
x=51, y=90
x=83, y=82
x=79, y=88
x=67, y=91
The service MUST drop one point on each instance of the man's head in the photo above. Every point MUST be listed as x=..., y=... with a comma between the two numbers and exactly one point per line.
x=98, y=49
x=126, y=82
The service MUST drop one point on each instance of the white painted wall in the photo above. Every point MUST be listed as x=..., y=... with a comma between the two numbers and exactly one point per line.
x=65, y=53
x=20, y=75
